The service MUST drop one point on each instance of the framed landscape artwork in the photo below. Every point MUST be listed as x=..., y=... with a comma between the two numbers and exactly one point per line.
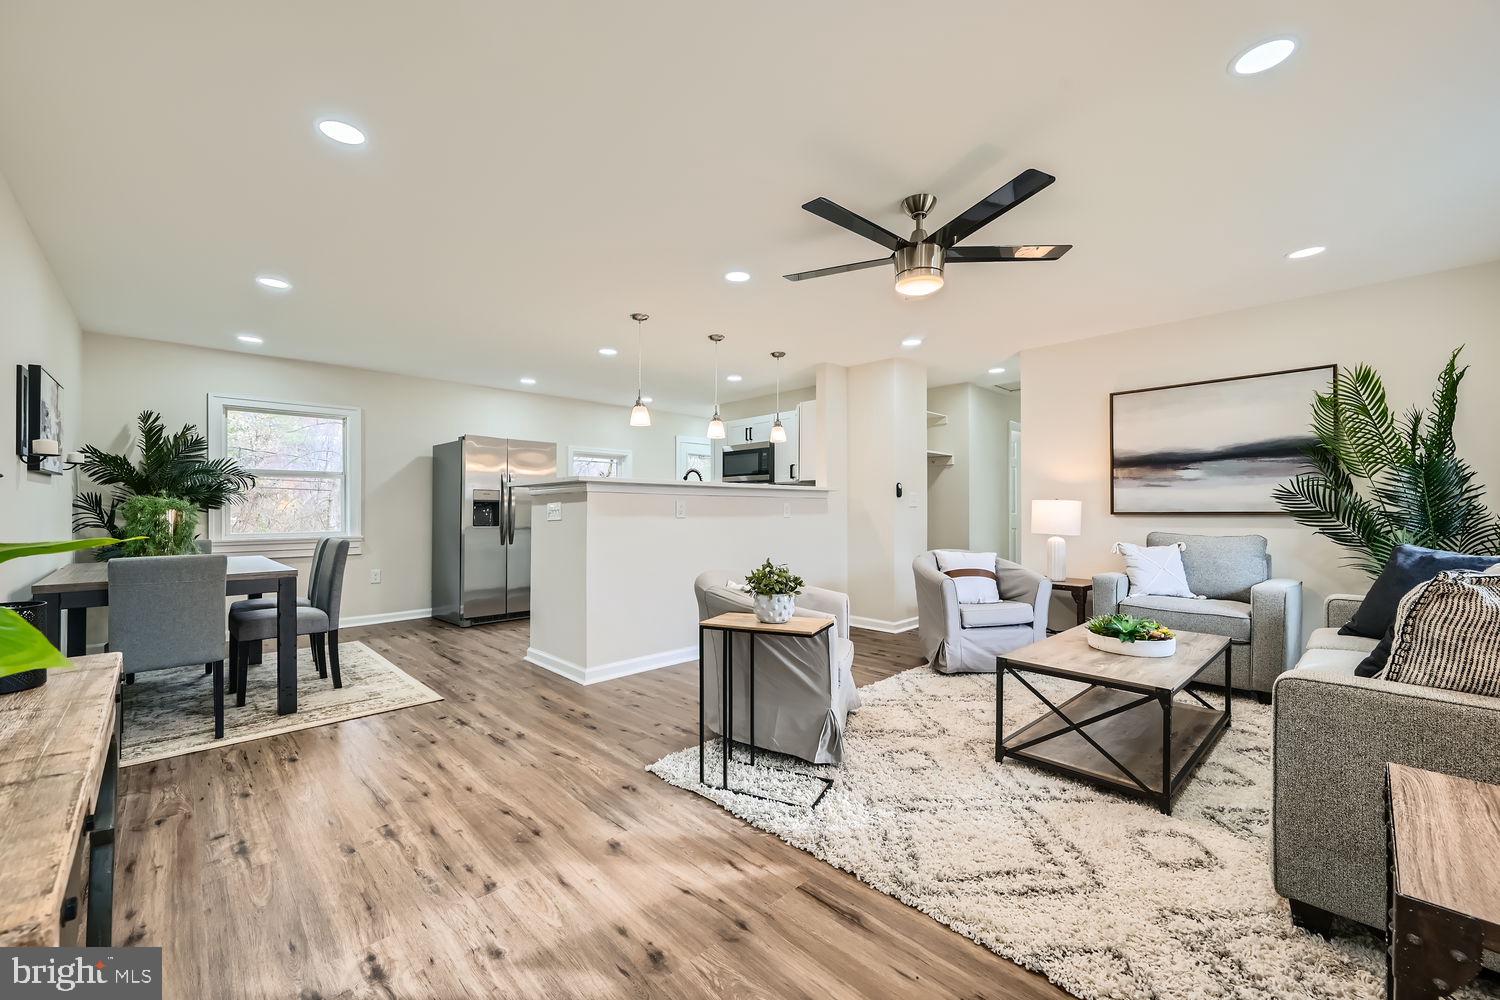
x=1215, y=447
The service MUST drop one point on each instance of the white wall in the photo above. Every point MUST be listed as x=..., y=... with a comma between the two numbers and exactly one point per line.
x=1404, y=328
x=758, y=405
x=37, y=326
x=403, y=418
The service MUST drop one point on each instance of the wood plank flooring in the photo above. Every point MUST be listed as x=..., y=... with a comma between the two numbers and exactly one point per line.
x=505, y=842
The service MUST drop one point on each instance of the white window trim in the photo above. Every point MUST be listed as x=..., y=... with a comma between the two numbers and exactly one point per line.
x=290, y=546
x=627, y=464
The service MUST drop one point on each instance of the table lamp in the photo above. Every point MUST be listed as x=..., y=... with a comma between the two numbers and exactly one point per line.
x=1057, y=518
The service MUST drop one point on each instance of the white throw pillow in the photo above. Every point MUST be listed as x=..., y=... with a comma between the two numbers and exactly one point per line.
x=1155, y=570
x=971, y=589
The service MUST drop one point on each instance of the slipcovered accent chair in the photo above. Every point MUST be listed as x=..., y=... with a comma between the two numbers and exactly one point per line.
x=804, y=687
x=965, y=638
x=1260, y=615
x=1334, y=733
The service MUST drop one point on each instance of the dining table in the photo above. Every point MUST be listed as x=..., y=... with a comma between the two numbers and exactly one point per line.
x=76, y=587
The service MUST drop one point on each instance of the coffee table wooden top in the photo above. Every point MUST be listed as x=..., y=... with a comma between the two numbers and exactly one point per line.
x=741, y=621
x=1443, y=829
x=1069, y=655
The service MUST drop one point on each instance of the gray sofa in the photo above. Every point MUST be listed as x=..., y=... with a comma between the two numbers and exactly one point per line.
x=1261, y=615
x=804, y=688
x=1334, y=734
x=966, y=638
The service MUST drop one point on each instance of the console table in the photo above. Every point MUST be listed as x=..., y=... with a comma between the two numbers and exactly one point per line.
x=57, y=807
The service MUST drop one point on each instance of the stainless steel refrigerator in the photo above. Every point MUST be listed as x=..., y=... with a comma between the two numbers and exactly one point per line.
x=481, y=526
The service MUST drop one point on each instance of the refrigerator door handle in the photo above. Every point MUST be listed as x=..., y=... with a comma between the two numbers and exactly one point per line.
x=510, y=513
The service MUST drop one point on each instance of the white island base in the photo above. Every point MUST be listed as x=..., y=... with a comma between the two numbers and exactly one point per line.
x=613, y=563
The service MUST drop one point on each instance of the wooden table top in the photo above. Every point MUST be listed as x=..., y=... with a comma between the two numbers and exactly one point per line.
x=55, y=739
x=1073, y=583
x=81, y=576
x=1446, y=836
x=742, y=621
x=1068, y=654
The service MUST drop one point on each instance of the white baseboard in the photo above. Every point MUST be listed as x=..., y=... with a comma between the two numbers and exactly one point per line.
x=609, y=671
x=354, y=621
x=879, y=625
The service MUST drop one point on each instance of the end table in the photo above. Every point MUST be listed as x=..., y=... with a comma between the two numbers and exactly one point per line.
x=1080, y=588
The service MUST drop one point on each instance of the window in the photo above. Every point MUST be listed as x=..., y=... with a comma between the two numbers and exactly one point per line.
x=609, y=463
x=305, y=459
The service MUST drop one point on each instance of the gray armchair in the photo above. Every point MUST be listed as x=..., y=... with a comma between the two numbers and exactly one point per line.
x=965, y=638
x=804, y=688
x=1261, y=616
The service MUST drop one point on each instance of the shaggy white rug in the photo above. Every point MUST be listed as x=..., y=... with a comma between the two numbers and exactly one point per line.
x=1102, y=894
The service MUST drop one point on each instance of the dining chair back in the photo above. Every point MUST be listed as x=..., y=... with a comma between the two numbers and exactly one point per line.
x=325, y=590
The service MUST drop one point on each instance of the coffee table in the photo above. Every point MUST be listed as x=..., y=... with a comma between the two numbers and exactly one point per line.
x=1124, y=731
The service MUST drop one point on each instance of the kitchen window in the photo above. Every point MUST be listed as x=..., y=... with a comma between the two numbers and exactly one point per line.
x=606, y=463
x=306, y=462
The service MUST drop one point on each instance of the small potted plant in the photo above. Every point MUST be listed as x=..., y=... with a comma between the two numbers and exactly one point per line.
x=775, y=589
x=1131, y=636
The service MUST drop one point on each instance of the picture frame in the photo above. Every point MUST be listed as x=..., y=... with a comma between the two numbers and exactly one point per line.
x=1215, y=446
x=38, y=415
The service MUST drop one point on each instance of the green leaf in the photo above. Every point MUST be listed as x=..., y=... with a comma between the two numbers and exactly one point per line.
x=15, y=550
x=23, y=647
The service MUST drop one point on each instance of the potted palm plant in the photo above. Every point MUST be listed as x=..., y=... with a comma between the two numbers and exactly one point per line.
x=775, y=589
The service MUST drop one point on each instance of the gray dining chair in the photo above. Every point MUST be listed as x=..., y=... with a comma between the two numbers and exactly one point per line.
x=318, y=619
x=256, y=602
x=168, y=611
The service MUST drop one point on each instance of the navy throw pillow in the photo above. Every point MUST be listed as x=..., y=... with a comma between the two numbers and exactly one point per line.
x=1375, y=662
x=1408, y=566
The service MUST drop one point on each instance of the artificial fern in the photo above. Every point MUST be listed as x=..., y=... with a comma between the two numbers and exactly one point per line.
x=1379, y=481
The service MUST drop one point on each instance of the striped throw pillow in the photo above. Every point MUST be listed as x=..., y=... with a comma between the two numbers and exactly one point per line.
x=1447, y=634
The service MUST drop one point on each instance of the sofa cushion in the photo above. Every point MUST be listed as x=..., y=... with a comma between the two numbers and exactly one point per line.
x=1332, y=638
x=1408, y=566
x=992, y=615
x=1223, y=567
x=1343, y=661
x=973, y=574
x=1155, y=569
x=1227, y=618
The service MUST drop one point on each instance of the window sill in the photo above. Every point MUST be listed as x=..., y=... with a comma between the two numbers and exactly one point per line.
x=278, y=548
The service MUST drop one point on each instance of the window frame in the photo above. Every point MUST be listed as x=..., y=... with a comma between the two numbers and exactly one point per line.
x=625, y=455
x=289, y=544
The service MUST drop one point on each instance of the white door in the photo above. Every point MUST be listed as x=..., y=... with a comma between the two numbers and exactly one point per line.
x=695, y=458
x=1013, y=501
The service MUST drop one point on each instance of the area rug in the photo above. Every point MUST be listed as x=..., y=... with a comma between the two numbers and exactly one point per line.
x=1102, y=894
x=169, y=713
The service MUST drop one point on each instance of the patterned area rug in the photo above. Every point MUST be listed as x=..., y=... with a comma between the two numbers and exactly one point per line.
x=1102, y=894
x=169, y=713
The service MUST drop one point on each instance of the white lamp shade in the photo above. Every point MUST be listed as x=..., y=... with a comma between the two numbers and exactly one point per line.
x=639, y=415
x=45, y=446
x=1057, y=517
x=778, y=432
x=716, y=429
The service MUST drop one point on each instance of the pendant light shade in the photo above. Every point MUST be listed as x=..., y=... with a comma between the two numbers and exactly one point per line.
x=639, y=415
x=715, y=423
x=778, y=432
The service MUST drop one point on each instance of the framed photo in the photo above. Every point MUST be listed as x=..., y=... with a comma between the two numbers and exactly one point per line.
x=1214, y=447
x=38, y=416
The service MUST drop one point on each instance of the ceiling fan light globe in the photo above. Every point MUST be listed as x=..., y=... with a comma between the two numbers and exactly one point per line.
x=639, y=415
x=919, y=282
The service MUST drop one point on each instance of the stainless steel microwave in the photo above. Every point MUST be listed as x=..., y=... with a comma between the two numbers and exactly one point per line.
x=748, y=463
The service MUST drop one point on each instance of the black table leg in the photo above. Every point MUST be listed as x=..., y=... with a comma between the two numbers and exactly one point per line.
x=78, y=631
x=1080, y=598
x=700, y=707
x=752, y=699
x=52, y=626
x=1166, y=754
x=1228, y=693
x=286, y=645
x=726, y=721
x=1000, y=669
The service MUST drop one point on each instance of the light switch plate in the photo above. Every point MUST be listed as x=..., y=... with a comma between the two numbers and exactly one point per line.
x=374, y=576
x=786, y=510
x=554, y=510
x=682, y=508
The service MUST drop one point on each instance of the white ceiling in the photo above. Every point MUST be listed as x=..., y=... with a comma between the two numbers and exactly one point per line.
x=535, y=172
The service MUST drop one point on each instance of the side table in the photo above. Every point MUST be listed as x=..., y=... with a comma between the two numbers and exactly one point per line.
x=1080, y=589
x=728, y=625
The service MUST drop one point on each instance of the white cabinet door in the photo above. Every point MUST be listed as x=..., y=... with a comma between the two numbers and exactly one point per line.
x=788, y=452
x=807, y=424
x=736, y=432
x=760, y=428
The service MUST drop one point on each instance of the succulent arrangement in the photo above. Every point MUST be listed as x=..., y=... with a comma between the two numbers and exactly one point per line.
x=1128, y=628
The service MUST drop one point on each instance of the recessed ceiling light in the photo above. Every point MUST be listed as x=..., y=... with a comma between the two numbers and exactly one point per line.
x=272, y=281
x=527, y=380
x=737, y=276
x=249, y=338
x=733, y=378
x=341, y=132
x=997, y=371
x=608, y=352
x=1305, y=252
x=912, y=342
x=1262, y=57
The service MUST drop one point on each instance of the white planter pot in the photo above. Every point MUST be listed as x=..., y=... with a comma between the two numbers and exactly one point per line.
x=1157, y=647
x=774, y=609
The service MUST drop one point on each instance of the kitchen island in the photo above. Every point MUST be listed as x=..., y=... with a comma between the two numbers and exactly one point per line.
x=614, y=560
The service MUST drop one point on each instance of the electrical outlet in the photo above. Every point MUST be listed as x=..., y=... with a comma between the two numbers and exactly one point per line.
x=374, y=576
x=554, y=510
x=786, y=510
x=682, y=508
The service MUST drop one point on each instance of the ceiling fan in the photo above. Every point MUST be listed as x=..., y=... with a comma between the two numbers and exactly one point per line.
x=920, y=259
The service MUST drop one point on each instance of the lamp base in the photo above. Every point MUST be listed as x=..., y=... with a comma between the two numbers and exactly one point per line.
x=1057, y=559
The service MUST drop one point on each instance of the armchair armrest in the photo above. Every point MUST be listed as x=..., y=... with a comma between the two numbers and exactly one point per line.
x=829, y=602
x=1333, y=735
x=1017, y=583
x=937, y=606
x=1275, y=630
x=1109, y=590
x=1339, y=608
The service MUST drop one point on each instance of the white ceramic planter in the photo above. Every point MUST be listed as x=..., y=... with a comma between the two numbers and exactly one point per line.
x=774, y=609
x=1151, y=648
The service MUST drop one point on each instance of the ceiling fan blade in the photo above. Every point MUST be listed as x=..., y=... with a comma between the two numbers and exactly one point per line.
x=1034, y=251
x=841, y=216
x=823, y=272
x=987, y=210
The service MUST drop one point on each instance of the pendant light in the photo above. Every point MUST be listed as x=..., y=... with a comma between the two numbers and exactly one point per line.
x=778, y=432
x=715, y=424
x=639, y=415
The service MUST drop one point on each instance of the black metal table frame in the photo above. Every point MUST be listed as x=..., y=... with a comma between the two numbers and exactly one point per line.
x=1170, y=786
x=726, y=720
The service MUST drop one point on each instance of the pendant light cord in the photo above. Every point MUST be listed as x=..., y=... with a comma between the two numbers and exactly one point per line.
x=716, y=378
x=640, y=350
